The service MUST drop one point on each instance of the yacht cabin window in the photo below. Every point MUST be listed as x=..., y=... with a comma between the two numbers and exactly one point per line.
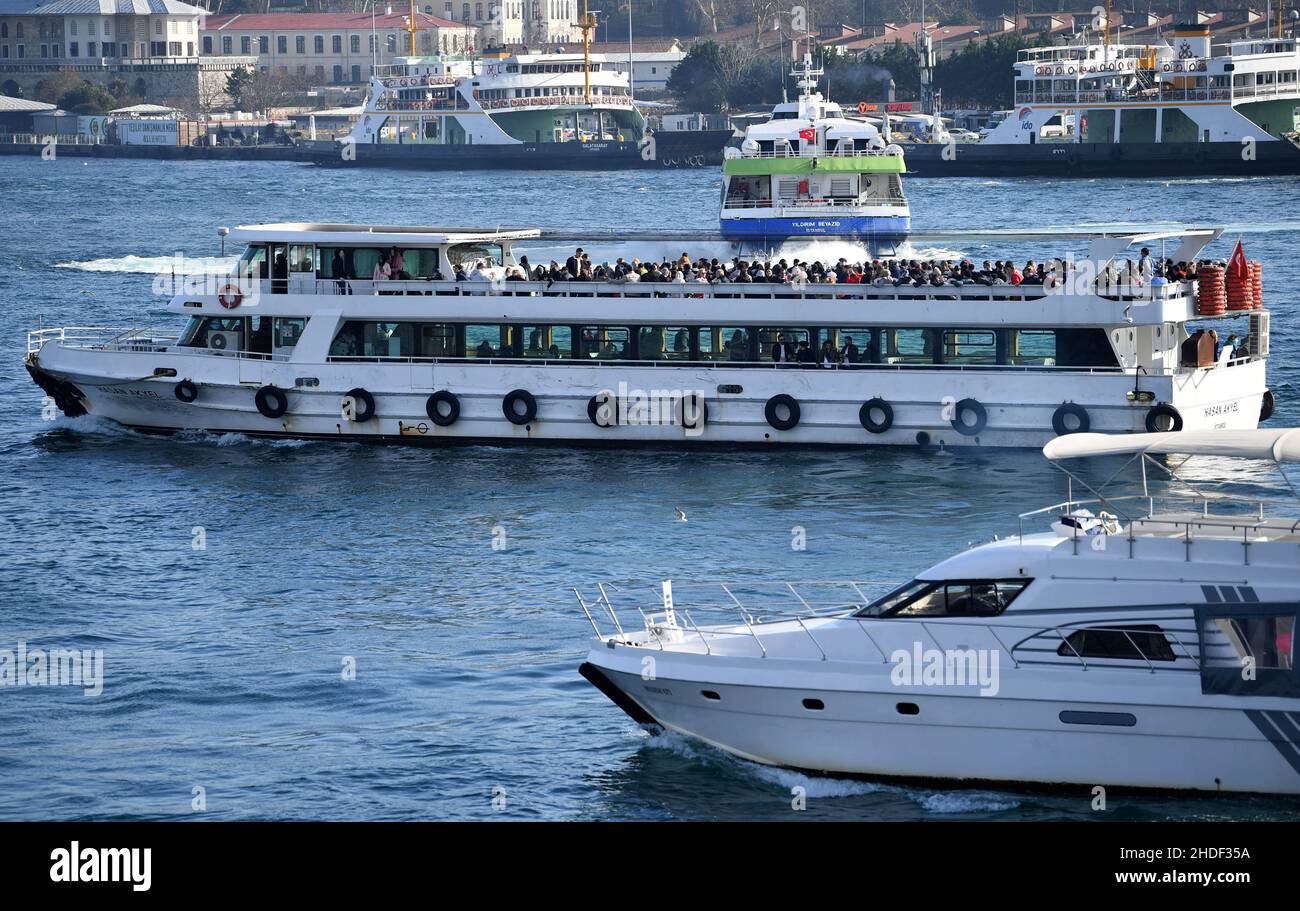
x=954, y=598
x=1248, y=649
x=1145, y=642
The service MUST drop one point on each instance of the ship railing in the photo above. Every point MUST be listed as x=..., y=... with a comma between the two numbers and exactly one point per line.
x=568, y=99
x=1184, y=518
x=1118, y=292
x=814, y=152
x=59, y=139
x=113, y=338
x=786, y=620
x=740, y=202
x=894, y=363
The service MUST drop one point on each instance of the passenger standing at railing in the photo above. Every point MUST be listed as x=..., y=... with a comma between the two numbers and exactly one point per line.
x=1146, y=268
x=397, y=264
x=830, y=357
x=339, y=268
x=849, y=355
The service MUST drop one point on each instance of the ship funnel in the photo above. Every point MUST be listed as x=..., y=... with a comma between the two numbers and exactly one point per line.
x=1191, y=41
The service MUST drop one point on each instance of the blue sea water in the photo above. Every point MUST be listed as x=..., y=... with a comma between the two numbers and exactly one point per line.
x=223, y=666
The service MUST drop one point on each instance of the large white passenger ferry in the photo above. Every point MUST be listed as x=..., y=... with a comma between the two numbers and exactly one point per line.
x=511, y=109
x=1173, y=107
x=310, y=338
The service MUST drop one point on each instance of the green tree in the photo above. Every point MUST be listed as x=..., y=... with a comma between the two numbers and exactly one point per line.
x=716, y=77
x=52, y=88
x=239, y=86
x=88, y=99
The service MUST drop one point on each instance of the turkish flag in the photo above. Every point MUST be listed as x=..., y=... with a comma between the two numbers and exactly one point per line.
x=810, y=134
x=1238, y=268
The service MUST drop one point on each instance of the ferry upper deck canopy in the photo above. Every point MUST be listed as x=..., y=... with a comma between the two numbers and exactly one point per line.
x=385, y=235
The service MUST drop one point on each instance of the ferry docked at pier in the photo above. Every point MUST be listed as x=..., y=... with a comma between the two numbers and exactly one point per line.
x=1171, y=108
x=508, y=109
x=1136, y=641
x=810, y=171
x=302, y=341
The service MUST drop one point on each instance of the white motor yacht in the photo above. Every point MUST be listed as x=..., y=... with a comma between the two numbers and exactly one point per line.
x=1143, y=648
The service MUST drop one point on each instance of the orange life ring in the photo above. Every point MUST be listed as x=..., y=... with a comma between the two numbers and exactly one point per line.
x=230, y=297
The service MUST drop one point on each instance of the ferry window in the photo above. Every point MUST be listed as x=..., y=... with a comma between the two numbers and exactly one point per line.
x=424, y=264
x=724, y=343
x=1033, y=347
x=1132, y=643
x=664, y=343
x=373, y=339
x=336, y=262
x=606, y=343
x=301, y=258
x=361, y=261
x=200, y=328
x=253, y=262
x=966, y=346
x=488, y=341
x=854, y=344
x=768, y=337
x=550, y=342
x=437, y=340
x=468, y=254
x=288, y=331
x=1084, y=348
x=909, y=346
x=259, y=335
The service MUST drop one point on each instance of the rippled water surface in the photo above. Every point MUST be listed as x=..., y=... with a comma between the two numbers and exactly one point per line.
x=223, y=666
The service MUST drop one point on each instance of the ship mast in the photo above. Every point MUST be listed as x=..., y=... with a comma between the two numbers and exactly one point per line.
x=587, y=24
x=410, y=27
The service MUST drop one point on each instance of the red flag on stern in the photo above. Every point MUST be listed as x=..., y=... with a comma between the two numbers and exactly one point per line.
x=1238, y=268
x=809, y=135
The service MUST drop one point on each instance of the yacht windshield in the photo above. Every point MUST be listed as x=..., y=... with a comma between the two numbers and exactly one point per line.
x=967, y=598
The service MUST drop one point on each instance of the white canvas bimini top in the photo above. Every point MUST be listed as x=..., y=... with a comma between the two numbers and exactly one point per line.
x=1279, y=445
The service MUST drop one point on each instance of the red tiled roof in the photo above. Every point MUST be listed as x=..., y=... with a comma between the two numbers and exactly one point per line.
x=283, y=22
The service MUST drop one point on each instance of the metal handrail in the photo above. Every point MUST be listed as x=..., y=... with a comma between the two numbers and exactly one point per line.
x=1180, y=637
x=814, y=152
x=810, y=290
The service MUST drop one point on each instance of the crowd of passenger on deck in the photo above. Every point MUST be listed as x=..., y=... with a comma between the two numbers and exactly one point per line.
x=891, y=272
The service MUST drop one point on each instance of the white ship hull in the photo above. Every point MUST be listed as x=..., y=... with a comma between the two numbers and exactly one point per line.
x=1017, y=736
x=1020, y=404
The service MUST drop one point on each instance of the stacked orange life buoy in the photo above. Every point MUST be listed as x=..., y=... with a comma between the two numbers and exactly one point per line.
x=1257, y=283
x=1211, y=299
x=1241, y=291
